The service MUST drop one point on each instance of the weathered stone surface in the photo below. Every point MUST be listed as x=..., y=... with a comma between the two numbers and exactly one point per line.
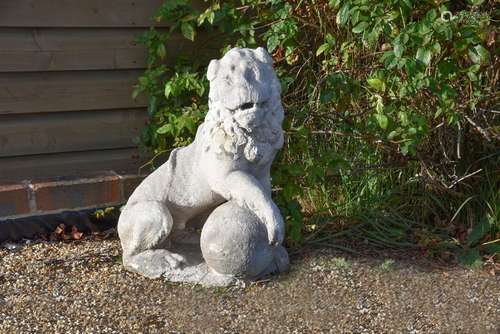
x=229, y=160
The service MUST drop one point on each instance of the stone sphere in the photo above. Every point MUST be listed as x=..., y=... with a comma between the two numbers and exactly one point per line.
x=234, y=242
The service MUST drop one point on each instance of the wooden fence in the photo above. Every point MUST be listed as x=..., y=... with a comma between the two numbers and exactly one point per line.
x=67, y=68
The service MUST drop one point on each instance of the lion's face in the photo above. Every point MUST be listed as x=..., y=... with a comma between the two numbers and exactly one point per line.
x=248, y=116
x=244, y=101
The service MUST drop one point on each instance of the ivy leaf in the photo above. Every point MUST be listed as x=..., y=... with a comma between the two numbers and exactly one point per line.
x=190, y=124
x=168, y=89
x=334, y=3
x=322, y=48
x=330, y=39
x=392, y=135
x=360, y=27
x=152, y=106
x=188, y=31
x=436, y=48
x=272, y=42
x=208, y=14
x=424, y=55
x=165, y=129
x=408, y=3
x=475, y=2
x=376, y=84
x=493, y=248
x=398, y=50
x=479, y=54
x=354, y=16
x=211, y=17
x=326, y=96
x=135, y=93
x=161, y=51
x=447, y=67
x=472, y=76
x=379, y=106
x=404, y=148
x=382, y=120
x=471, y=258
x=343, y=15
x=482, y=228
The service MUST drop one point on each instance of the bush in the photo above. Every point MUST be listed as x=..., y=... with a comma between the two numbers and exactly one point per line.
x=390, y=113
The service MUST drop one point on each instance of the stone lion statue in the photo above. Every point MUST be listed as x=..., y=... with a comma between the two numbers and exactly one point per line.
x=229, y=160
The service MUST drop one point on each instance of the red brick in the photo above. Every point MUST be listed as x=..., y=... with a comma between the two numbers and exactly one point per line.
x=13, y=200
x=78, y=193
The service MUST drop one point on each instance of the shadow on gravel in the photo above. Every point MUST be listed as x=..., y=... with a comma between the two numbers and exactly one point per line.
x=42, y=227
x=34, y=227
x=383, y=259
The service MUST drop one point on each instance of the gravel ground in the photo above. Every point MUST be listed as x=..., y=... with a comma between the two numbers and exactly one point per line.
x=80, y=286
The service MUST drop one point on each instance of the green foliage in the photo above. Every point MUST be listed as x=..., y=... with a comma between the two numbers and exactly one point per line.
x=341, y=263
x=390, y=120
x=101, y=213
x=387, y=265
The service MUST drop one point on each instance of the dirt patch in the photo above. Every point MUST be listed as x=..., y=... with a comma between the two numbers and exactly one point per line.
x=81, y=286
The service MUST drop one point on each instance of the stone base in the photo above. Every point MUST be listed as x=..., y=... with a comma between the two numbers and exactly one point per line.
x=196, y=270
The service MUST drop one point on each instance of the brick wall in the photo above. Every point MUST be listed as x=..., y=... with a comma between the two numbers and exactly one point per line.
x=33, y=198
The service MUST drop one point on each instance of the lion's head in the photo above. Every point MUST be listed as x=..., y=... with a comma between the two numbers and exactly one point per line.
x=245, y=111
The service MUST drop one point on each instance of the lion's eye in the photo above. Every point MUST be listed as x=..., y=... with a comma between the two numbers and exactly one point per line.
x=247, y=105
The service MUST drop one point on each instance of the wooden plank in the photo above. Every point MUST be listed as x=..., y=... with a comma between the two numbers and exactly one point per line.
x=77, y=13
x=70, y=49
x=69, y=131
x=22, y=61
x=64, y=39
x=82, y=13
x=64, y=49
x=35, y=167
x=67, y=91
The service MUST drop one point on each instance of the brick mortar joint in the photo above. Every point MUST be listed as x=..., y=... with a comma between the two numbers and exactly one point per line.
x=30, y=190
x=84, y=180
x=120, y=185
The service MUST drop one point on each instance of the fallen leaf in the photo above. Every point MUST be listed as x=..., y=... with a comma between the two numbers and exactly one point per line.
x=59, y=229
x=77, y=235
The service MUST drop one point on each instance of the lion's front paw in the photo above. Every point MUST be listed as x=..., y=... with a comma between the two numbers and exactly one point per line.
x=276, y=229
x=175, y=260
x=153, y=263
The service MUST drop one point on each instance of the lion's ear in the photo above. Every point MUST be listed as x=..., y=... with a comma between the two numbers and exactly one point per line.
x=213, y=67
x=263, y=56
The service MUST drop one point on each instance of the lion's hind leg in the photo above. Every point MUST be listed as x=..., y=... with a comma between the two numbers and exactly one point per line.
x=142, y=227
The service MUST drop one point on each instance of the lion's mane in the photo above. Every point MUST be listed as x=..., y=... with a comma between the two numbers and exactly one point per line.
x=253, y=81
x=227, y=138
